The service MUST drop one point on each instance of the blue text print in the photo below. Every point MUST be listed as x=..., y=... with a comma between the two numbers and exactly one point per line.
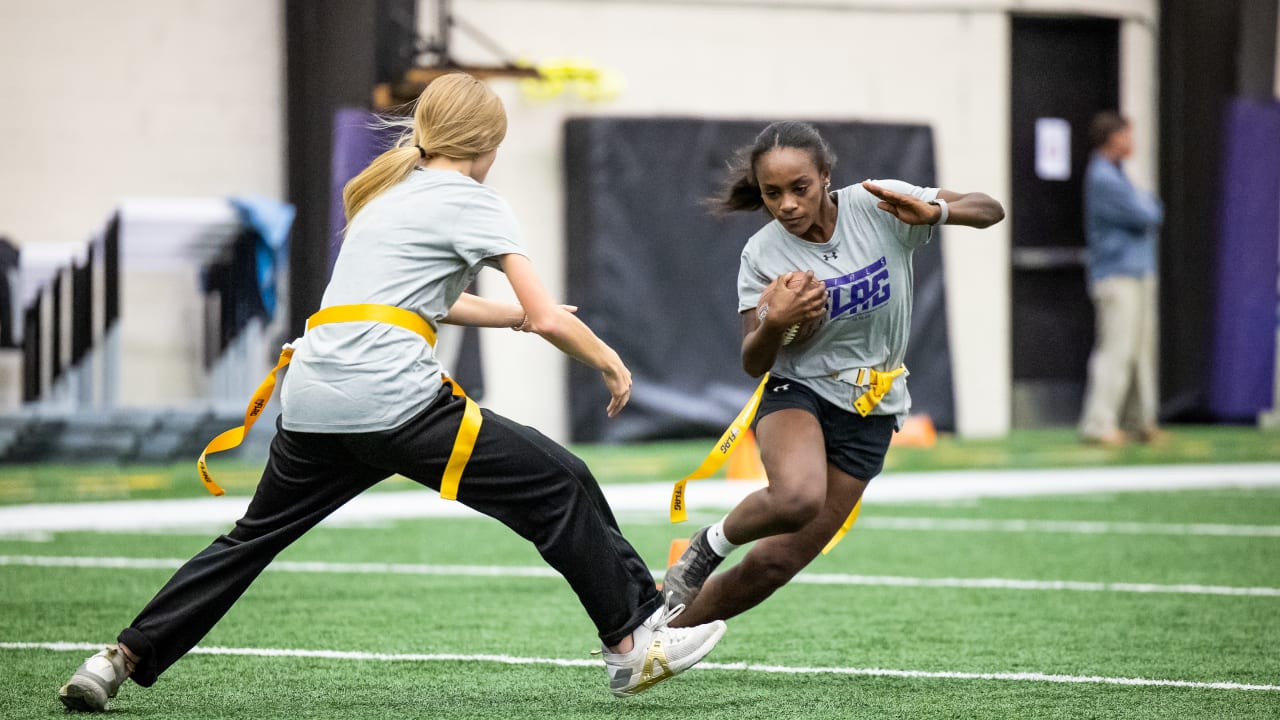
x=859, y=291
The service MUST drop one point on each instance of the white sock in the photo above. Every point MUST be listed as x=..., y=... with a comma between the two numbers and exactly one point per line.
x=719, y=543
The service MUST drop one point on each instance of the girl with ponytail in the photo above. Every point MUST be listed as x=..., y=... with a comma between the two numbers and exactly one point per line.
x=457, y=117
x=824, y=292
x=365, y=398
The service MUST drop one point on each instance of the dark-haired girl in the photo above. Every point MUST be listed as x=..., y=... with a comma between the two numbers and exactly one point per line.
x=833, y=400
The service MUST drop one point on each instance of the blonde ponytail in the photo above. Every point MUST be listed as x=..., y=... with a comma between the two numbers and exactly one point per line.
x=386, y=170
x=457, y=116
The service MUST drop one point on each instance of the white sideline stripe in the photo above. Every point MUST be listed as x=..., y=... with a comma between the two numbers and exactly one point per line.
x=124, y=563
x=1077, y=527
x=703, y=495
x=746, y=667
x=1013, y=584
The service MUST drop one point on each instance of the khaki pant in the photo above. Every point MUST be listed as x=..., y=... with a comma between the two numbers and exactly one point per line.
x=1122, y=369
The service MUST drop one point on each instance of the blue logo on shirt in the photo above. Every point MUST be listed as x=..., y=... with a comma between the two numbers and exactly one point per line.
x=859, y=291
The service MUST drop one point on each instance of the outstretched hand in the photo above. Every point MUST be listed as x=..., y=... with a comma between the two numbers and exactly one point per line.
x=618, y=381
x=907, y=208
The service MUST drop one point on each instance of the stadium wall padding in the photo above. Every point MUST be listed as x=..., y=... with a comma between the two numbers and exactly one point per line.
x=654, y=272
x=1248, y=257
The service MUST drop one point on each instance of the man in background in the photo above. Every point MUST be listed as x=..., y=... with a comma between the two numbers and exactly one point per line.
x=1121, y=225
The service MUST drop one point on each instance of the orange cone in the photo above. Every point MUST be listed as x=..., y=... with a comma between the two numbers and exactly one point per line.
x=744, y=463
x=917, y=431
x=678, y=546
x=677, y=549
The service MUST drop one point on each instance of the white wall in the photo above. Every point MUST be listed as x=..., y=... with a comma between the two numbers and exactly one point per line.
x=104, y=99
x=185, y=97
x=940, y=62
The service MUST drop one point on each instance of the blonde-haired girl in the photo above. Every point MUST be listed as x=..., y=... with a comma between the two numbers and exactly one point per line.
x=365, y=398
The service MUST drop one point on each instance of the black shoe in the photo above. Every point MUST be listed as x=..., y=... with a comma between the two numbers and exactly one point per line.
x=684, y=579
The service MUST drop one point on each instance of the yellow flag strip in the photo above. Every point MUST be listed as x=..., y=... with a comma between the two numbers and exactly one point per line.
x=463, y=444
x=848, y=523
x=233, y=437
x=879, y=384
x=716, y=458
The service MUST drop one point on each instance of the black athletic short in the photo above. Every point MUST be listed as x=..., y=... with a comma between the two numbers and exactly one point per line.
x=855, y=444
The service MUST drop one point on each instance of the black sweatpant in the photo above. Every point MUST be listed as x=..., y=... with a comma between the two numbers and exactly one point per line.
x=516, y=475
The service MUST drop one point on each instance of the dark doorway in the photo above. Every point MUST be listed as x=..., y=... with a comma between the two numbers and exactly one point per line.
x=1064, y=69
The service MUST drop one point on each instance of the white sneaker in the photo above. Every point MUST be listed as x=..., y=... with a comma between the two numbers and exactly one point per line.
x=95, y=682
x=660, y=652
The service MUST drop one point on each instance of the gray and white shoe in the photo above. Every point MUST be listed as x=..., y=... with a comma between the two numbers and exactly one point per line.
x=685, y=578
x=661, y=652
x=95, y=682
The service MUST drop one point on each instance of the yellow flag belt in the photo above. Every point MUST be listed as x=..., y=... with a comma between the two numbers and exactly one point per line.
x=878, y=385
x=467, y=431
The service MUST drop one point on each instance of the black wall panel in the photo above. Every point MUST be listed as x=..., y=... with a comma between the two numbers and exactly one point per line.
x=655, y=273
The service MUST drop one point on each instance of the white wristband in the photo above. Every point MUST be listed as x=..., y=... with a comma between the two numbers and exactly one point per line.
x=942, y=219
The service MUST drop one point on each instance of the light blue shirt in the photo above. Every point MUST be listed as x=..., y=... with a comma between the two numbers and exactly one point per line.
x=1120, y=222
x=866, y=266
x=415, y=246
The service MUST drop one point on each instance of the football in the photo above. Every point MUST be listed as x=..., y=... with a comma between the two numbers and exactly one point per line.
x=802, y=331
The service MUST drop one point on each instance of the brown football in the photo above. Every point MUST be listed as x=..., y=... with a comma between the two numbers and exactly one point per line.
x=802, y=331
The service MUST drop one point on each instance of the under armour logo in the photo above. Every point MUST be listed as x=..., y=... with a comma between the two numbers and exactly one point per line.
x=831, y=256
x=783, y=387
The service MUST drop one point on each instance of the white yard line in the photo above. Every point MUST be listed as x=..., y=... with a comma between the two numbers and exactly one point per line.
x=703, y=495
x=1015, y=584
x=1073, y=527
x=732, y=667
x=804, y=578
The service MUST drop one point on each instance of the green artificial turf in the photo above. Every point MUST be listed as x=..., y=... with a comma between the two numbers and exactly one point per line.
x=662, y=461
x=1184, y=636
x=1193, y=635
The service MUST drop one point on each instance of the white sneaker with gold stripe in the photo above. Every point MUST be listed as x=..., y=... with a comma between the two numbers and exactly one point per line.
x=661, y=652
x=96, y=681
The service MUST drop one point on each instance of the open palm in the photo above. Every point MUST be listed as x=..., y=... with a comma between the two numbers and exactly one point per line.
x=907, y=208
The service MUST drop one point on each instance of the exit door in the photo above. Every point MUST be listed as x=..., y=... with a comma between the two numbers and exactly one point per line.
x=1063, y=71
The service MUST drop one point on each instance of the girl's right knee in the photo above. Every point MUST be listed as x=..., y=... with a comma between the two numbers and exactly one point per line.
x=794, y=510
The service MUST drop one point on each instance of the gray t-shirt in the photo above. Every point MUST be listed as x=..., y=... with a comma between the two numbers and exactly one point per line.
x=415, y=246
x=867, y=270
